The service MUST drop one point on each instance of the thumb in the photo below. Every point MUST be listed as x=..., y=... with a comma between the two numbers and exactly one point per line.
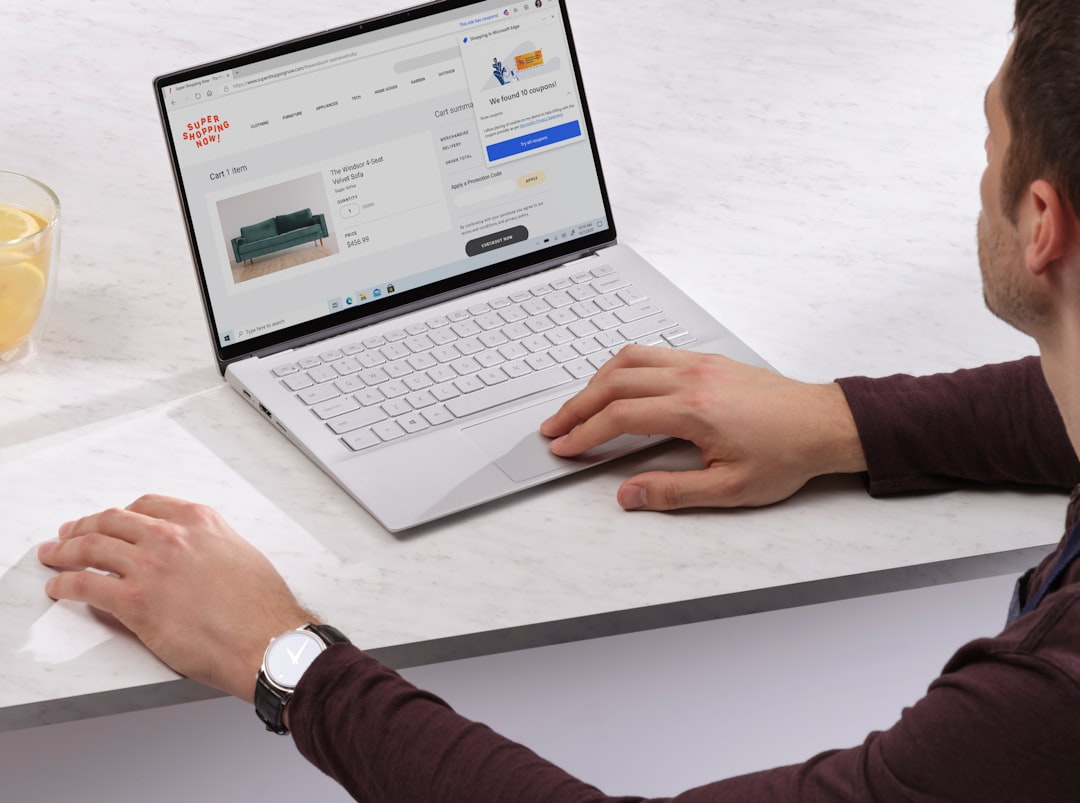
x=672, y=490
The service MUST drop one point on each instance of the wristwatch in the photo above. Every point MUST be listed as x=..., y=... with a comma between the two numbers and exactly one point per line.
x=284, y=663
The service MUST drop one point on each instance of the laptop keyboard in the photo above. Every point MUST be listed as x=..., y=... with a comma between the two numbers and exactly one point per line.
x=384, y=387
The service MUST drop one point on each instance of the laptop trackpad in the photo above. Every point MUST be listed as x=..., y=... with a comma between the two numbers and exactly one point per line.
x=513, y=442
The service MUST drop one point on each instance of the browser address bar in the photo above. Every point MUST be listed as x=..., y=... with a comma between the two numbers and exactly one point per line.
x=398, y=42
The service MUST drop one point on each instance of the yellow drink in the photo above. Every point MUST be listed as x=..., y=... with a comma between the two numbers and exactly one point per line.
x=25, y=253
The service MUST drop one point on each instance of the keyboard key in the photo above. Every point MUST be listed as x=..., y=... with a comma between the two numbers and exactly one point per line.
x=609, y=339
x=508, y=391
x=349, y=365
x=517, y=368
x=492, y=376
x=609, y=284
x=355, y=420
x=322, y=373
x=512, y=351
x=468, y=384
x=646, y=326
x=580, y=368
x=469, y=345
x=369, y=396
x=445, y=392
x=318, y=393
x=349, y=384
x=396, y=335
x=417, y=381
x=395, y=351
x=331, y=355
x=602, y=270
x=338, y=406
x=445, y=354
x=369, y=359
x=387, y=430
x=309, y=362
x=358, y=441
x=442, y=373
x=586, y=346
x=396, y=407
x=643, y=309
x=398, y=369
x=679, y=338
x=436, y=415
x=421, y=399
x=442, y=336
x=297, y=382
x=413, y=422
x=285, y=370
x=419, y=343
x=466, y=365
x=375, y=376
x=393, y=388
x=559, y=299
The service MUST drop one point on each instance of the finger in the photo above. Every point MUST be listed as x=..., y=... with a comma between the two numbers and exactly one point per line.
x=675, y=490
x=125, y=525
x=627, y=416
x=632, y=372
x=158, y=506
x=99, y=590
x=93, y=550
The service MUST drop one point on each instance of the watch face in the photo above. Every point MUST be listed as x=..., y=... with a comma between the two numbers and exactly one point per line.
x=289, y=657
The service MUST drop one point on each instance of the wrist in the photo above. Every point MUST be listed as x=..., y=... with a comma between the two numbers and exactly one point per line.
x=836, y=448
x=285, y=662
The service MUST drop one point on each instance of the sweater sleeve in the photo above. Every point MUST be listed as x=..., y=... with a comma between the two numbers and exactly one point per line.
x=989, y=425
x=996, y=725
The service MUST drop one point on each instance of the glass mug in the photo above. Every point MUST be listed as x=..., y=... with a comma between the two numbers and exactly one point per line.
x=29, y=251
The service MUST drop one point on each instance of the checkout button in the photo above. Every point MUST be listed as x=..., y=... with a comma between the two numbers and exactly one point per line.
x=500, y=239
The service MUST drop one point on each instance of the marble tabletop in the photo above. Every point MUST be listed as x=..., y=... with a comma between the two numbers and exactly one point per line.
x=809, y=170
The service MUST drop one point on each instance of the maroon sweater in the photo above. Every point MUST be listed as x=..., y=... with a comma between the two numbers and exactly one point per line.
x=999, y=724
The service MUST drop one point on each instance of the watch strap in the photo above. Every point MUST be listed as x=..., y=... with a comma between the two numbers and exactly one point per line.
x=270, y=701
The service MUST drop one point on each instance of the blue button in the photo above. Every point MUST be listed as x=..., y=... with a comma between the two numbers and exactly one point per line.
x=530, y=142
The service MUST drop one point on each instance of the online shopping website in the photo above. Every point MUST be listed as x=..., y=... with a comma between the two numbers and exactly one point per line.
x=331, y=178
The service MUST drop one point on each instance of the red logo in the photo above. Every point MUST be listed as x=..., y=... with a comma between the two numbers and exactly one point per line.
x=205, y=130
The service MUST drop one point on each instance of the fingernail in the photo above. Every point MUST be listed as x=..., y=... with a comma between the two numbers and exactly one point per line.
x=632, y=497
x=65, y=528
x=555, y=444
x=50, y=584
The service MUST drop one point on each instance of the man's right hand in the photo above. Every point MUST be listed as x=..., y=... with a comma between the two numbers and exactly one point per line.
x=761, y=436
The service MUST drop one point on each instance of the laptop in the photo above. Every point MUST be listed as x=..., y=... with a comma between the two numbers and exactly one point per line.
x=406, y=249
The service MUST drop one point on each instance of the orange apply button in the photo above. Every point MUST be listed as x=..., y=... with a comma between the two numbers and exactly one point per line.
x=527, y=60
x=532, y=179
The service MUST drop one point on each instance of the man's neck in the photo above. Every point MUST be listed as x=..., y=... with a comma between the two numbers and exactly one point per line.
x=1061, y=366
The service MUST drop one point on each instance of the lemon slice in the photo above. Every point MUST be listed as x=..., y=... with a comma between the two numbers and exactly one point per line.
x=16, y=223
x=22, y=289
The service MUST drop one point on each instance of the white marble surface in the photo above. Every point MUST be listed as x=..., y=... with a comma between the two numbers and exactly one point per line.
x=809, y=170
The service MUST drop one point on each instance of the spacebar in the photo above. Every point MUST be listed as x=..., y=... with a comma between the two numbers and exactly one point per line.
x=509, y=391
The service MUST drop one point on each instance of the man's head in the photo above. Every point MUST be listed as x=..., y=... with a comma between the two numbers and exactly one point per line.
x=1031, y=187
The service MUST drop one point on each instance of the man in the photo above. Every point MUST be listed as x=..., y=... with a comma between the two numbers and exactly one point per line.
x=999, y=724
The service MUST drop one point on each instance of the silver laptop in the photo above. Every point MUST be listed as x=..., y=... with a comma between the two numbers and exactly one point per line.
x=406, y=249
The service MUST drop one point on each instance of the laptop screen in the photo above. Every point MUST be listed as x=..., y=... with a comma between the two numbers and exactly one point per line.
x=358, y=171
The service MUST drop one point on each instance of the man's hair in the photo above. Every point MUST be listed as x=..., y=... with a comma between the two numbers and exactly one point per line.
x=1041, y=98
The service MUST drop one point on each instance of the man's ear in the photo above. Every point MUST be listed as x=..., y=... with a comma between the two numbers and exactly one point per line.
x=1051, y=227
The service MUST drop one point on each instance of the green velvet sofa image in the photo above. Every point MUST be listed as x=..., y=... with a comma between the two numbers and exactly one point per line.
x=278, y=233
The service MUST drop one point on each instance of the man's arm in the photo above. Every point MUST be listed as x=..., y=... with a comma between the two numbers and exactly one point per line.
x=996, y=724
x=994, y=424
x=763, y=436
